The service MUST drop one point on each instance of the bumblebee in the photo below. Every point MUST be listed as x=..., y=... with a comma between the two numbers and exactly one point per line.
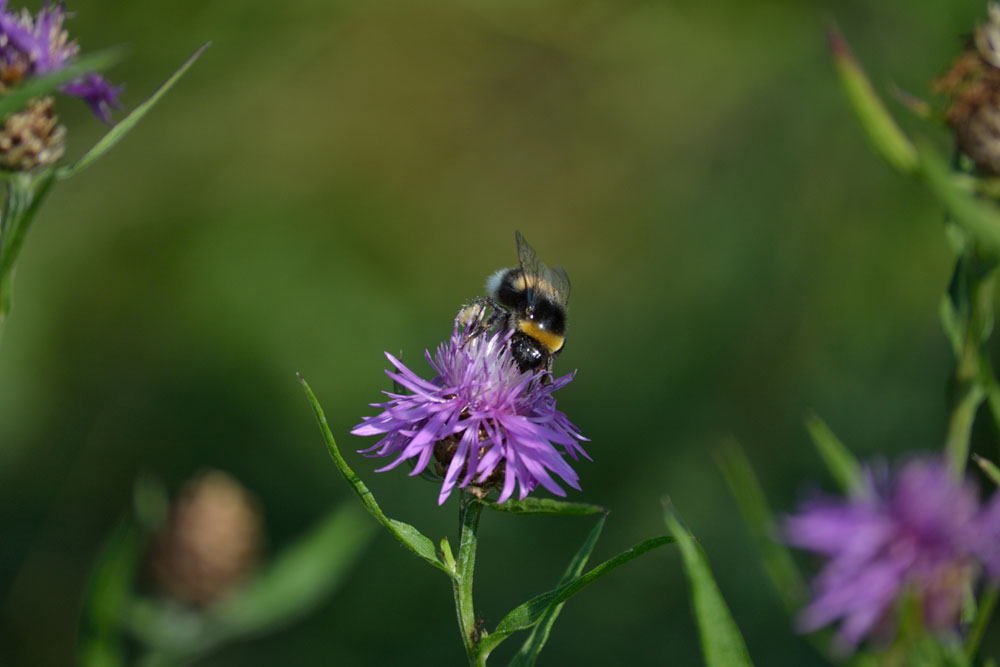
x=530, y=300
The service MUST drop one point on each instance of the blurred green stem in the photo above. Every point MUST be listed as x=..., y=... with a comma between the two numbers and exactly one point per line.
x=972, y=375
x=469, y=510
x=986, y=606
x=25, y=192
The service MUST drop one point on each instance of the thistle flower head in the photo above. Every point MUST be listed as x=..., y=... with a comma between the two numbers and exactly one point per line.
x=36, y=45
x=485, y=422
x=920, y=533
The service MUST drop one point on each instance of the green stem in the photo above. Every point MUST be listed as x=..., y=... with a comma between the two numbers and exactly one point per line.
x=983, y=616
x=969, y=388
x=469, y=510
x=25, y=193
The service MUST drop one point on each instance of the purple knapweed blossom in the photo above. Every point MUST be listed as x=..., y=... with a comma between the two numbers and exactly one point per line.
x=921, y=533
x=31, y=46
x=485, y=422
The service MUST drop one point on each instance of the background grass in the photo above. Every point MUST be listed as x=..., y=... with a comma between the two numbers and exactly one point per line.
x=333, y=179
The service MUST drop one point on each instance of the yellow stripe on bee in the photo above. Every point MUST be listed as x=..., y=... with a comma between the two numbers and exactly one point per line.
x=522, y=284
x=553, y=342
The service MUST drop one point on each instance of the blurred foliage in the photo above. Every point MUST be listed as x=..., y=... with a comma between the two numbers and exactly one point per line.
x=334, y=178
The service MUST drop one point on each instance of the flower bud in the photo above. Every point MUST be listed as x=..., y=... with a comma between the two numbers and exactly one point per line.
x=209, y=544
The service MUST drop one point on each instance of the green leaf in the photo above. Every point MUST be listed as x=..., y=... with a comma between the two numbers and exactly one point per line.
x=49, y=83
x=757, y=515
x=535, y=642
x=544, y=506
x=301, y=577
x=988, y=467
x=838, y=459
x=721, y=642
x=408, y=536
x=883, y=133
x=108, y=596
x=126, y=124
x=531, y=612
x=976, y=216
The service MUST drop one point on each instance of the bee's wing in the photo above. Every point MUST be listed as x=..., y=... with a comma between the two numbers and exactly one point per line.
x=526, y=257
x=532, y=270
x=560, y=283
x=537, y=273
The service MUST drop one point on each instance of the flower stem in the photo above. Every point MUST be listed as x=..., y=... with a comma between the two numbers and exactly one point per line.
x=970, y=381
x=469, y=510
x=25, y=192
x=986, y=606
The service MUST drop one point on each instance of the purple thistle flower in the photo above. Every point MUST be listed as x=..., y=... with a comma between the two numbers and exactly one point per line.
x=38, y=45
x=922, y=533
x=485, y=422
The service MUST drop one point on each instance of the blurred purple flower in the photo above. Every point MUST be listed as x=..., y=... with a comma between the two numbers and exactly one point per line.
x=485, y=422
x=38, y=45
x=921, y=533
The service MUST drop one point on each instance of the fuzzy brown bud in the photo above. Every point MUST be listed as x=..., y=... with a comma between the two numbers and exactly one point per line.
x=209, y=544
x=32, y=138
x=972, y=84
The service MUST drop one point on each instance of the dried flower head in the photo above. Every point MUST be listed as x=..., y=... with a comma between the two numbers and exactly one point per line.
x=210, y=543
x=487, y=424
x=972, y=85
x=36, y=45
x=921, y=534
x=32, y=138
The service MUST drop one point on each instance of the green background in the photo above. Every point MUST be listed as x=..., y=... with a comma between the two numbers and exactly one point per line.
x=333, y=179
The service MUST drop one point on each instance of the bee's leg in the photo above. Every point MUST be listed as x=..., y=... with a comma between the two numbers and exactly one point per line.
x=475, y=310
x=473, y=315
x=547, y=377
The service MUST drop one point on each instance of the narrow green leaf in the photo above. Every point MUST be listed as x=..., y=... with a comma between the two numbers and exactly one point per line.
x=408, y=536
x=988, y=467
x=531, y=612
x=721, y=642
x=300, y=578
x=838, y=459
x=757, y=515
x=126, y=124
x=544, y=506
x=883, y=132
x=108, y=596
x=535, y=642
x=952, y=324
x=976, y=216
x=49, y=83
